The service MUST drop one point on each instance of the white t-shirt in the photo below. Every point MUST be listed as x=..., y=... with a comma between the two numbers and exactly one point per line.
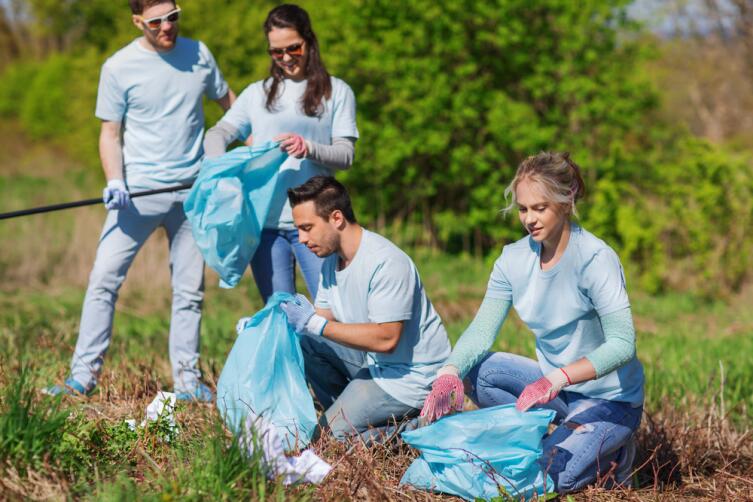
x=381, y=285
x=157, y=96
x=249, y=115
x=562, y=306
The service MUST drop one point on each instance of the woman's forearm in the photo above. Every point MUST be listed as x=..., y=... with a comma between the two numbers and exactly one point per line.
x=619, y=343
x=339, y=155
x=218, y=138
x=479, y=336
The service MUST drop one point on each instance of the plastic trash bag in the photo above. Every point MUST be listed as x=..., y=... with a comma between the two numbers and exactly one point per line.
x=264, y=374
x=481, y=454
x=228, y=205
x=307, y=467
x=162, y=406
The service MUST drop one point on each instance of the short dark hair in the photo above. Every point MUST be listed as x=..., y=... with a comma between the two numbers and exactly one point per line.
x=328, y=195
x=138, y=6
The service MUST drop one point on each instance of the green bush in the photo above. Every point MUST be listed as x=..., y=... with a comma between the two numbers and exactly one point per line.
x=14, y=86
x=451, y=97
x=44, y=111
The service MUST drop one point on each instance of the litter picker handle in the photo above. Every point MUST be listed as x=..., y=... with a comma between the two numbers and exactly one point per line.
x=86, y=202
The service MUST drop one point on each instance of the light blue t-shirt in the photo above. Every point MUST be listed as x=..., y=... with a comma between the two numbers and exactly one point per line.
x=381, y=285
x=157, y=96
x=562, y=306
x=250, y=116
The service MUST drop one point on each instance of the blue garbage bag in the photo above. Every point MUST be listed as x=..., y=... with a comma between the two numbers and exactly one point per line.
x=228, y=205
x=481, y=454
x=264, y=373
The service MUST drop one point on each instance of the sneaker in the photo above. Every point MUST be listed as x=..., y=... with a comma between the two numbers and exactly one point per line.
x=625, y=460
x=71, y=388
x=200, y=393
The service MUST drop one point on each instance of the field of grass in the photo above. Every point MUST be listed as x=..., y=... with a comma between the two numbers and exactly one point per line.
x=695, y=440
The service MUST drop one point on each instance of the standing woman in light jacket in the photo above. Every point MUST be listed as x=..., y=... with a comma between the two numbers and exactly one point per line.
x=568, y=287
x=313, y=114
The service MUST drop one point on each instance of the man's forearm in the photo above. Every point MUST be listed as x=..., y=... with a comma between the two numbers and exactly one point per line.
x=111, y=155
x=227, y=100
x=371, y=337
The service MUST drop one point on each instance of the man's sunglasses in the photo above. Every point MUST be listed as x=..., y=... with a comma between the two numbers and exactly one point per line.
x=154, y=23
x=295, y=50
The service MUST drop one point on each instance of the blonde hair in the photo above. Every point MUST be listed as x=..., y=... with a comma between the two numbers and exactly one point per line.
x=558, y=176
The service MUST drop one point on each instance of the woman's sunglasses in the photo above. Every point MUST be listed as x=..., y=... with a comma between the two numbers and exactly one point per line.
x=154, y=23
x=295, y=50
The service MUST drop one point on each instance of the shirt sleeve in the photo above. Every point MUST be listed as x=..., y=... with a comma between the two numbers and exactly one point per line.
x=499, y=287
x=478, y=338
x=216, y=86
x=604, y=283
x=111, y=99
x=619, y=343
x=344, y=112
x=339, y=155
x=238, y=116
x=323, y=292
x=392, y=290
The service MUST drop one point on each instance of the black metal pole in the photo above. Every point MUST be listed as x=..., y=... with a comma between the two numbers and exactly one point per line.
x=86, y=202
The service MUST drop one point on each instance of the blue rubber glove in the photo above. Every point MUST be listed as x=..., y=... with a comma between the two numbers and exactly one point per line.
x=115, y=195
x=302, y=315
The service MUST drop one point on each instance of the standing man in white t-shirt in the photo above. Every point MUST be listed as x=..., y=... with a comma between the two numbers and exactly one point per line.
x=150, y=103
x=374, y=339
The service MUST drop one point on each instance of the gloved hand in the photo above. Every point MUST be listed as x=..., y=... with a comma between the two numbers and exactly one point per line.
x=446, y=395
x=543, y=390
x=293, y=144
x=241, y=324
x=115, y=195
x=302, y=315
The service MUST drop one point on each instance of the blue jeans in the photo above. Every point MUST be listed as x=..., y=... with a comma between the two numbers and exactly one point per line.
x=342, y=384
x=274, y=262
x=124, y=233
x=592, y=433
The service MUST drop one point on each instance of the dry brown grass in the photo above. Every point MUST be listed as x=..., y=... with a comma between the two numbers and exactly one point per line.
x=693, y=453
x=689, y=454
x=681, y=456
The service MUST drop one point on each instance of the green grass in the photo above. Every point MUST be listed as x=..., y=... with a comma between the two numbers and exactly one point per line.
x=80, y=455
x=683, y=342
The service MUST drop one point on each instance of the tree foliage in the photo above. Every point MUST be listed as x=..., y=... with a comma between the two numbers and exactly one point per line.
x=451, y=97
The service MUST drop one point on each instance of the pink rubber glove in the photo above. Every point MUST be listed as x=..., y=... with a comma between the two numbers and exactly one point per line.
x=543, y=390
x=293, y=144
x=447, y=395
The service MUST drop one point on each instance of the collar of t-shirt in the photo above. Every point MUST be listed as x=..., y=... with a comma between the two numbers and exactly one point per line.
x=343, y=272
x=571, y=243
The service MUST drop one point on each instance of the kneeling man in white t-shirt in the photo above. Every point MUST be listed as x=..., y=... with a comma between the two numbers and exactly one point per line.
x=374, y=341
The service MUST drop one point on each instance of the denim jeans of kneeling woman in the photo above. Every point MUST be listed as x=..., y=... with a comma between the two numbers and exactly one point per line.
x=593, y=436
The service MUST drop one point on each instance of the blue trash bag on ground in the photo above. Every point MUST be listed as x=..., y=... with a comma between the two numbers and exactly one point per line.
x=481, y=454
x=228, y=205
x=264, y=373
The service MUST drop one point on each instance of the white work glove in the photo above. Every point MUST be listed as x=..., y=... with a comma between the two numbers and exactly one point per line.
x=303, y=317
x=241, y=325
x=115, y=195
